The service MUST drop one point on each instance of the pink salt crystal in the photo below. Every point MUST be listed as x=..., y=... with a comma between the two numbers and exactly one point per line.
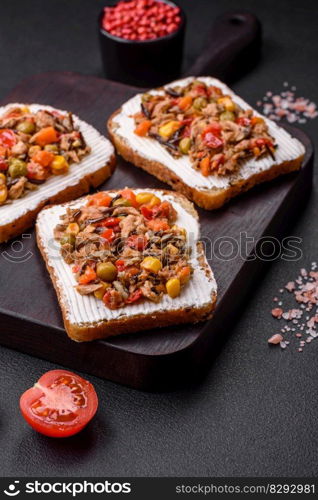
x=298, y=335
x=277, y=312
x=275, y=339
x=311, y=322
x=300, y=349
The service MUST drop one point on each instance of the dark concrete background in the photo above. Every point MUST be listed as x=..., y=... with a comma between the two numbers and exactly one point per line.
x=255, y=414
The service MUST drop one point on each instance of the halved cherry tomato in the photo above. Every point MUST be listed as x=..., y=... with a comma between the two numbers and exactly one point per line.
x=146, y=212
x=3, y=164
x=108, y=234
x=244, y=121
x=60, y=404
x=158, y=225
x=7, y=138
x=120, y=264
x=212, y=141
x=137, y=241
x=129, y=195
x=43, y=157
x=214, y=128
x=211, y=136
x=263, y=141
x=110, y=222
x=100, y=199
x=37, y=172
x=133, y=297
x=88, y=276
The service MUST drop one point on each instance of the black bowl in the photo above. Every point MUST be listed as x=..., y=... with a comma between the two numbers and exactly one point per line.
x=144, y=63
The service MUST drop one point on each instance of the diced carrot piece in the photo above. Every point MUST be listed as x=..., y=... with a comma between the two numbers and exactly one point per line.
x=158, y=225
x=129, y=195
x=46, y=136
x=184, y=274
x=142, y=128
x=185, y=102
x=205, y=166
x=88, y=276
x=256, y=119
x=44, y=158
x=100, y=199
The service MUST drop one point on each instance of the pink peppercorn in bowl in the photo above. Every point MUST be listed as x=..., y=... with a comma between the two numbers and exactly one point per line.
x=142, y=41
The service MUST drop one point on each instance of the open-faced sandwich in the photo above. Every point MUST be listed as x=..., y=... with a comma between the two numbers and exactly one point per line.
x=124, y=261
x=46, y=156
x=203, y=140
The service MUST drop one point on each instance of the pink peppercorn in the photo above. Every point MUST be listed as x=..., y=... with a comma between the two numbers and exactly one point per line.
x=141, y=19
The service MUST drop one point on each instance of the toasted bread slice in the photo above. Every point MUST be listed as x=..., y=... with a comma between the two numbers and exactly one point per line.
x=93, y=170
x=208, y=192
x=87, y=318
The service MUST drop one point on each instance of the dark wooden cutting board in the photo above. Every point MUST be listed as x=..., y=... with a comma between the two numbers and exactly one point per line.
x=30, y=317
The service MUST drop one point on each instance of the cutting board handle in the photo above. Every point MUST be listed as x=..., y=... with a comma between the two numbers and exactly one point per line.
x=232, y=47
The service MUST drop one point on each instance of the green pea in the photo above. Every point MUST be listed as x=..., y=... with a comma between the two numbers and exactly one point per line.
x=26, y=127
x=106, y=271
x=184, y=145
x=68, y=239
x=227, y=115
x=17, y=168
x=199, y=103
x=52, y=148
x=121, y=202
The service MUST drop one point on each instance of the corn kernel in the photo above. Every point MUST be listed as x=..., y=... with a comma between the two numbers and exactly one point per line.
x=166, y=130
x=227, y=103
x=3, y=194
x=142, y=198
x=59, y=165
x=3, y=180
x=151, y=264
x=73, y=228
x=154, y=201
x=25, y=109
x=99, y=294
x=173, y=287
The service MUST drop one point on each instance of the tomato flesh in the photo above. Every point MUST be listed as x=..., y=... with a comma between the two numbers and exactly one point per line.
x=7, y=138
x=60, y=404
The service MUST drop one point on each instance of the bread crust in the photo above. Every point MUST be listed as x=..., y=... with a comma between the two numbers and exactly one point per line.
x=208, y=199
x=83, y=186
x=92, y=331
